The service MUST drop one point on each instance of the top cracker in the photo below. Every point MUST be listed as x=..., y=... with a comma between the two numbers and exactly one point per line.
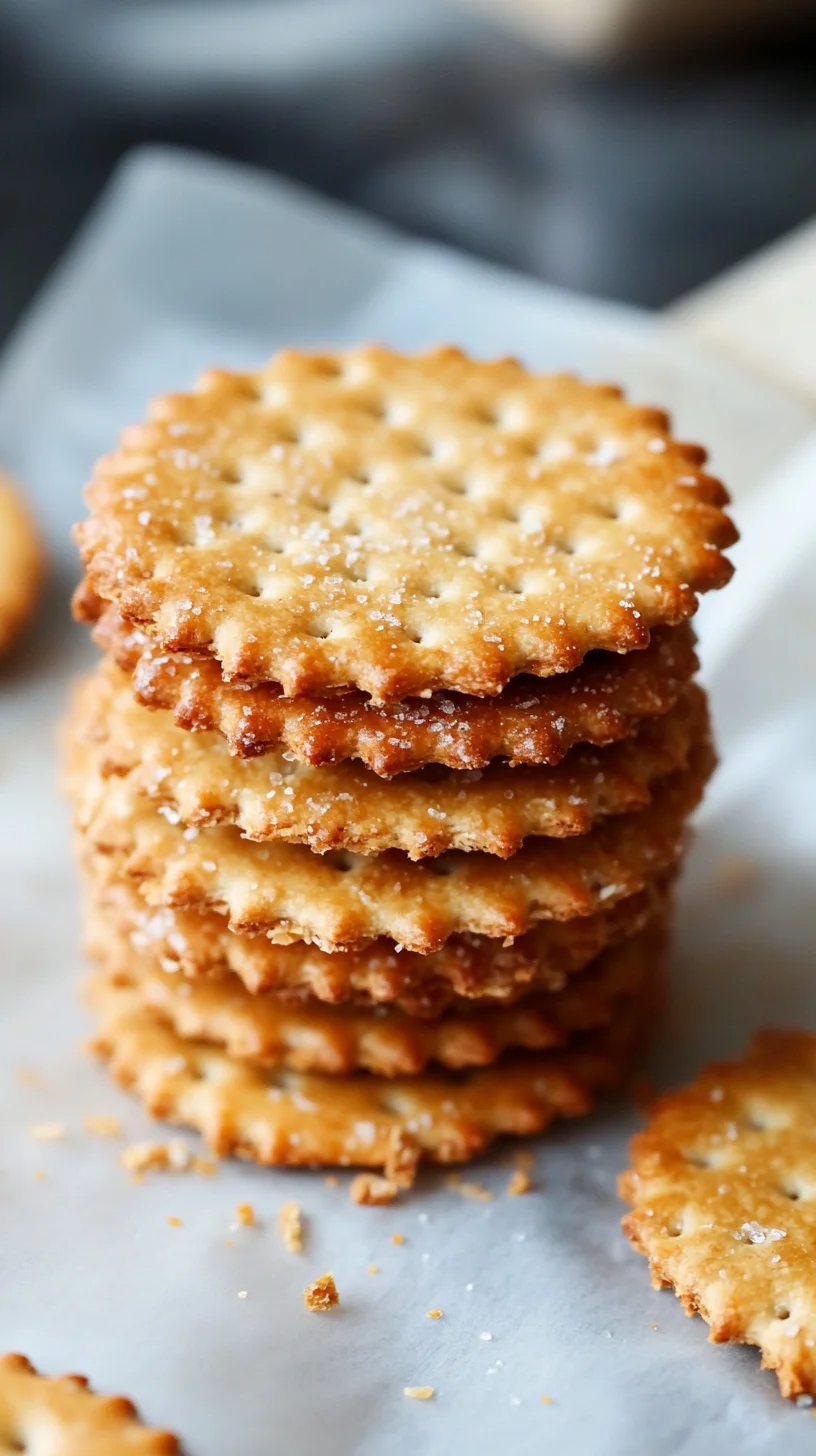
x=402, y=525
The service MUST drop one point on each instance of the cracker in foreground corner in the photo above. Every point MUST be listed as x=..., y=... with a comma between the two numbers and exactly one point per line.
x=63, y=1414
x=722, y=1189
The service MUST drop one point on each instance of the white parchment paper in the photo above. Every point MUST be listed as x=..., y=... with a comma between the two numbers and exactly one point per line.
x=187, y=263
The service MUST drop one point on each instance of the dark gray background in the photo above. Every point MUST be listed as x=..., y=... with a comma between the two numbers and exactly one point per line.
x=636, y=180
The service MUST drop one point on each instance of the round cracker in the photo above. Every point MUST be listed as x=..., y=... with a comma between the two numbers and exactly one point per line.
x=284, y=1117
x=193, y=779
x=465, y=969
x=342, y=901
x=402, y=524
x=722, y=1191
x=532, y=721
x=309, y=1037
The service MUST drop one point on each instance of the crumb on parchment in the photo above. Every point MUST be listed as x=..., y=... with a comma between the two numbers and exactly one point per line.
x=100, y=1125
x=434, y=1314
x=372, y=1190
x=173, y=1157
x=373, y=1268
x=398, y=1238
x=476, y=1191
x=321, y=1294
x=175, y=1222
x=419, y=1392
x=245, y=1214
x=47, y=1132
x=520, y=1182
x=290, y=1227
x=402, y=1158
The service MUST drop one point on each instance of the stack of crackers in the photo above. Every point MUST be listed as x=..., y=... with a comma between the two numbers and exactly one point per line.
x=382, y=783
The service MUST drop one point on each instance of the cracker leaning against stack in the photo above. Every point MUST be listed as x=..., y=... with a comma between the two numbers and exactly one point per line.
x=405, y=885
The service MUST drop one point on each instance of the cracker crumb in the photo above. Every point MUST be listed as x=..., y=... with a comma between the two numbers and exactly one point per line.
x=402, y=1158
x=373, y=1268
x=475, y=1191
x=174, y=1222
x=246, y=1214
x=372, y=1190
x=28, y=1076
x=520, y=1182
x=290, y=1227
x=40, y=1175
x=149, y=1157
x=331, y=1180
x=434, y=1314
x=321, y=1294
x=653, y=1327
x=547, y=1400
x=398, y=1238
x=103, y=1126
x=47, y=1132
x=229, y=1243
x=173, y=1157
x=419, y=1392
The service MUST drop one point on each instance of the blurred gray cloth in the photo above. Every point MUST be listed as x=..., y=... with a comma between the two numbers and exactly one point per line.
x=637, y=183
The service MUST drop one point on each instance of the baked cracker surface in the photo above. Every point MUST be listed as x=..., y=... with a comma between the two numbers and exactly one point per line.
x=335, y=1040
x=401, y=524
x=62, y=1416
x=722, y=1186
x=532, y=721
x=341, y=900
x=194, y=780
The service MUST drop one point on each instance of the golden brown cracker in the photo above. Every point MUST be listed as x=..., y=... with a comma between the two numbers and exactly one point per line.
x=21, y=563
x=342, y=901
x=401, y=524
x=532, y=721
x=284, y=1117
x=722, y=1190
x=466, y=968
x=336, y=1040
x=62, y=1416
x=194, y=781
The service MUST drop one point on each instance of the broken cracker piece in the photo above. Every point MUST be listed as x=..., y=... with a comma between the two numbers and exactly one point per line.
x=402, y=1158
x=245, y=1214
x=419, y=1392
x=321, y=1294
